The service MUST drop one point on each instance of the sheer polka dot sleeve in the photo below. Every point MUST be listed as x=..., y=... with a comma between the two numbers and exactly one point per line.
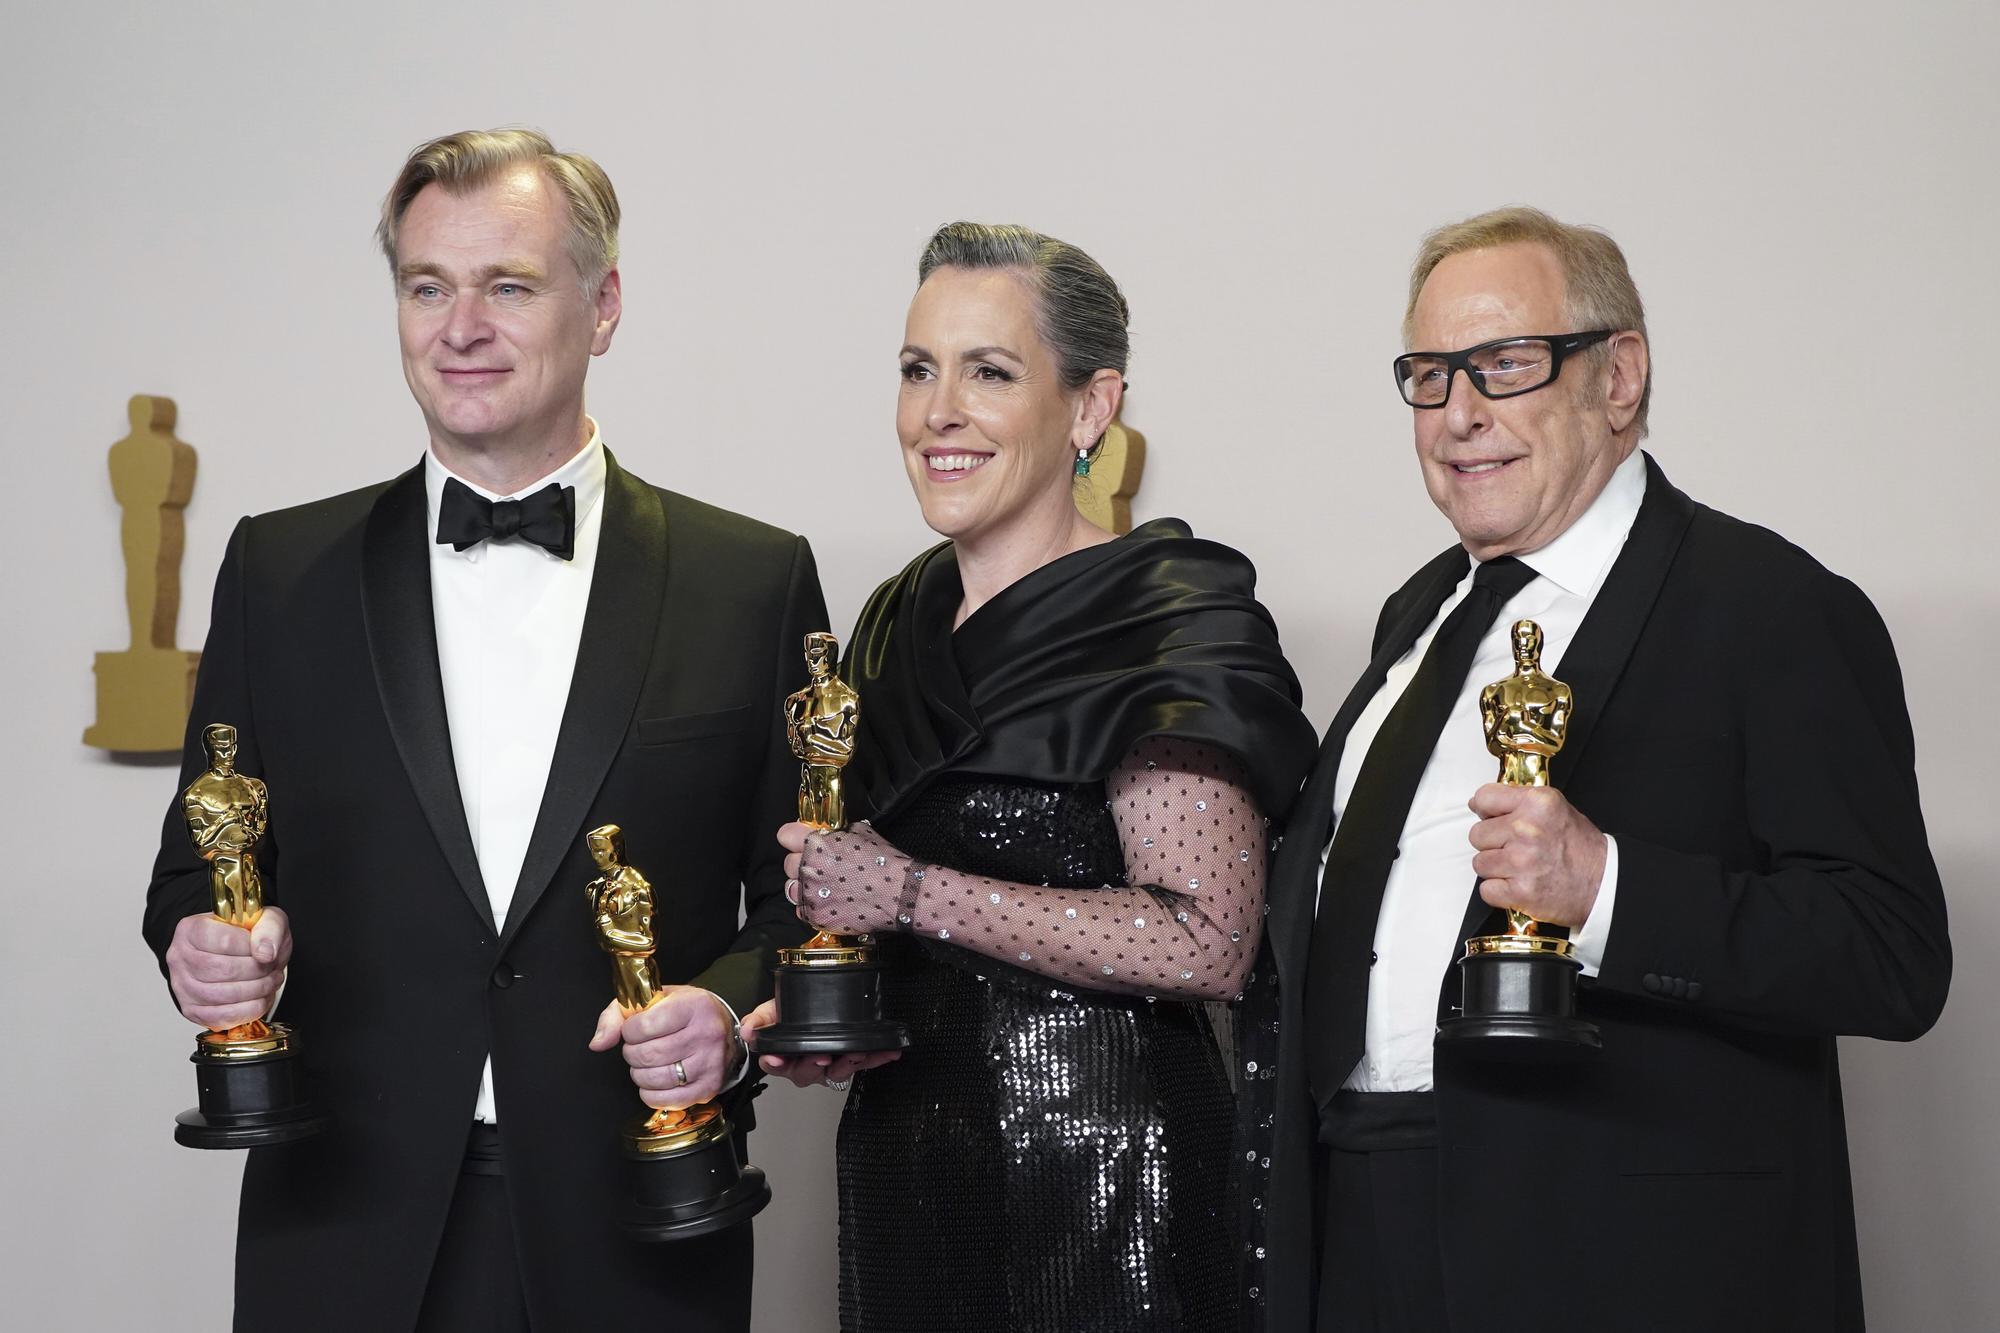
x=1188, y=927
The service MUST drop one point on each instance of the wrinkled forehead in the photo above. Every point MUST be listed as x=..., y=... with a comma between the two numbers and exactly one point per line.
x=1475, y=296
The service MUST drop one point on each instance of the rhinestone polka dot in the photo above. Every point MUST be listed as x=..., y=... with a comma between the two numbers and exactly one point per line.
x=1177, y=924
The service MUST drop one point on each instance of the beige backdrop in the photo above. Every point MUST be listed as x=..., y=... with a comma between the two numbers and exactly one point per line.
x=1806, y=191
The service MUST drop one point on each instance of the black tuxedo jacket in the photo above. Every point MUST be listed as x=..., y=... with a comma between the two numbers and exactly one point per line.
x=323, y=653
x=1741, y=731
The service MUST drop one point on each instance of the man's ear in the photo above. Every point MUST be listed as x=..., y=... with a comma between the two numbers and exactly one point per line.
x=610, y=305
x=1631, y=365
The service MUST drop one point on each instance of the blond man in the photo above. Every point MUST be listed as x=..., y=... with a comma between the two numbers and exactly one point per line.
x=445, y=679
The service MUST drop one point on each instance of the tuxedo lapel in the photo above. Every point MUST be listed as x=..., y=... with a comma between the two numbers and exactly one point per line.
x=1413, y=607
x=402, y=644
x=1595, y=659
x=612, y=658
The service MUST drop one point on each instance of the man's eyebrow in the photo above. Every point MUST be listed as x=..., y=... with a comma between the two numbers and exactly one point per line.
x=511, y=268
x=508, y=268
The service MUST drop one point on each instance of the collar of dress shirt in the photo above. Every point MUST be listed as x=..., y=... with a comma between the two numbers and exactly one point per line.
x=585, y=471
x=1581, y=555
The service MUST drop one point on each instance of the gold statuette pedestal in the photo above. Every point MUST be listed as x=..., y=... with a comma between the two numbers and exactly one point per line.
x=250, y=1085
x=1518, y=990
x=829, y=988
x=687, y=1180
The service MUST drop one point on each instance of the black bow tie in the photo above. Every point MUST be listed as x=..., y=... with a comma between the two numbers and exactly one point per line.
x=547, y=518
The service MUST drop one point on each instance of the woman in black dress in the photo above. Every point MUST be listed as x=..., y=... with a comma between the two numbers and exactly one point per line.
x=1068, y=747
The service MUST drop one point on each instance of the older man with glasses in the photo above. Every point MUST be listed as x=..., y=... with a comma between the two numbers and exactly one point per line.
x=1732, y=840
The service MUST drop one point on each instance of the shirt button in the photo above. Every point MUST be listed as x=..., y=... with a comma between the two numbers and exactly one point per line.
x=1373, y=958
x=503, y=976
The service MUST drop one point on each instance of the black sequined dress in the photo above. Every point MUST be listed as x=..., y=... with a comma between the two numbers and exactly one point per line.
x=1048, y=1159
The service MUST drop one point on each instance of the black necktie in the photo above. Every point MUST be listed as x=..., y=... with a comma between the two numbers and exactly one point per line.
x=1371, y=828
x=547, y=518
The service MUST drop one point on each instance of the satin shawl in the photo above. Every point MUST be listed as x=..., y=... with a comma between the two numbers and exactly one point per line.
x=1158, y=633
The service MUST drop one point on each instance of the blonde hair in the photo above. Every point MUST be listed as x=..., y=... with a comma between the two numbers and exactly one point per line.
x=461, y=162
x=1598, y=292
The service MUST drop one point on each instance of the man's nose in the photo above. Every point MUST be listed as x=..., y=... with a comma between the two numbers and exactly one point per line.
x=1465, y=408
x=468, y=324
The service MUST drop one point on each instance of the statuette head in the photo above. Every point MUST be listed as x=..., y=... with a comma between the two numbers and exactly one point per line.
x=220, y=738
x=820, y=649
x=1527, y=643
x=607, y=845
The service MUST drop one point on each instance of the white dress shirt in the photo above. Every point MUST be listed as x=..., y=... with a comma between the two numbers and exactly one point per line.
x=1423, y=903
x=509, y=617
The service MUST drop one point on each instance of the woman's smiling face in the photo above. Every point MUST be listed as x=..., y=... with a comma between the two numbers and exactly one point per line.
x=989, y=433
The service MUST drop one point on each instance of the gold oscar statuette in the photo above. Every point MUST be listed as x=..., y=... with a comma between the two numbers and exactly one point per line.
x=1525, y=717
x=250, y=1086
x=820, y=722
x=829, y=994
x=1522, y=984
x=689, y=1181
x=144, y=690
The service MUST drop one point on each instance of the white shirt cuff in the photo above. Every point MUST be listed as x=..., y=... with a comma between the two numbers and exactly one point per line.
x=1590, y=938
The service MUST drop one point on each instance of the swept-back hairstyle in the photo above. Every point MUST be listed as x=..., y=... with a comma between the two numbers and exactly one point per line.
x=1079, y=311
x=469, y=159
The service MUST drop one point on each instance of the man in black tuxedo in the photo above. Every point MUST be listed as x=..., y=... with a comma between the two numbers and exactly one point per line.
x=446, y=679
x=1733, y=839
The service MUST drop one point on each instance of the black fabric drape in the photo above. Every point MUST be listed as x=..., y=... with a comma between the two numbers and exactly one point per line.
x=1056, y=678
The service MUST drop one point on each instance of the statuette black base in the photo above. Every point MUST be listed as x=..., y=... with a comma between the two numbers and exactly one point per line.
x=248, y=1102
x=1520, y=1008
x=827, y=1010
x=680, y=1195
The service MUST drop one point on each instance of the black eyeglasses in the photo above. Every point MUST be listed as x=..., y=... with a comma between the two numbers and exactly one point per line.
x=1503, y=368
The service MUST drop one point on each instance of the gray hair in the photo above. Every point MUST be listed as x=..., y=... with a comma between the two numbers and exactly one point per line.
x=1079, y=311
x=462, y=162
x=1598, y=291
